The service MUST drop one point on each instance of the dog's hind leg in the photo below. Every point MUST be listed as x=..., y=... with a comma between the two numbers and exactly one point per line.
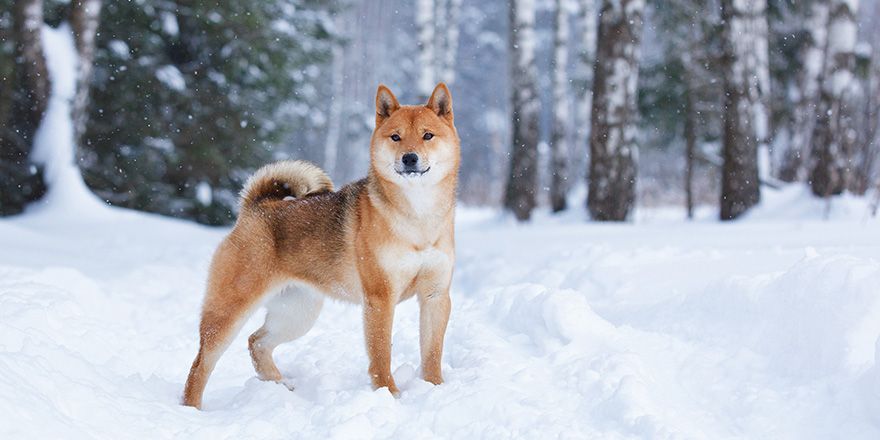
x=290, y=314
x=225, y=311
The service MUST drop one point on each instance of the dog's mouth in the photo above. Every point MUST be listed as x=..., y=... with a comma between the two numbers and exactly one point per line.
x=412, y=172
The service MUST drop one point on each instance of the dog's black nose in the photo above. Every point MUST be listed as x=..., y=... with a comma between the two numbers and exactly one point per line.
x=410, y=160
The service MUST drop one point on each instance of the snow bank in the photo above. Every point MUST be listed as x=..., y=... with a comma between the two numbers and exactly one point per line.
x=54, y=149
x=762, y=328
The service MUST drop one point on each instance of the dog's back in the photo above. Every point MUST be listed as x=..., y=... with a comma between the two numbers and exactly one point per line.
x=301, y=228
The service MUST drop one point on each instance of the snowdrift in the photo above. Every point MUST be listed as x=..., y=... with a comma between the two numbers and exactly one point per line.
x=763, y=328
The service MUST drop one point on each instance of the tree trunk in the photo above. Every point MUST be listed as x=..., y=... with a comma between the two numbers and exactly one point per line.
x=84, y=19
x=437, y=36
x=793, y=167
x=426, y=37
x=520, y=197
x=690, y=140
x=869, y=143
x=33, y=74
x=450, y=46
x=559, y=183
x=833, y=137
x=586, y=59
x=613, y=137
x=744, y=36
x=24, y=100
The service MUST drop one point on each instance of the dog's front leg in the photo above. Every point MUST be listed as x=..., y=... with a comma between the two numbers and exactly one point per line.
x=378, y=317
x=433, y=317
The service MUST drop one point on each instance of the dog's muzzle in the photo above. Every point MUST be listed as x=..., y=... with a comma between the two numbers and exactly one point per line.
x=410, y=165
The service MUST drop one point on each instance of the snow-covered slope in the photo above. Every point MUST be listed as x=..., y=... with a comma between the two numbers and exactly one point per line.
x=762, y=328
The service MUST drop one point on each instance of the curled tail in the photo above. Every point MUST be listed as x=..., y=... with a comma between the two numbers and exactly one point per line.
x=282, y=179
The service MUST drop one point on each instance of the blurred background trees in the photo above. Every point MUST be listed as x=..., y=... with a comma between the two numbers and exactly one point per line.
x=185, y=99
x=613, y=146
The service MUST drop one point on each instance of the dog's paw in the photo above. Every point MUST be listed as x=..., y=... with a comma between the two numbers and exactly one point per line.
x=286, y=382
x=394, y=392
x=435, y=379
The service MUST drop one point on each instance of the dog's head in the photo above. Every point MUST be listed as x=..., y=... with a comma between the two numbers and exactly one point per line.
x=414, y=144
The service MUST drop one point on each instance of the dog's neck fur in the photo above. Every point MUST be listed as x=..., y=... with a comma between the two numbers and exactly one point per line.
x=430, y=203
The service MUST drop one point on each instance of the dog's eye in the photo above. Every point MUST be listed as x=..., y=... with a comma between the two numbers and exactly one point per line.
x=395, y=137
x=428, y=136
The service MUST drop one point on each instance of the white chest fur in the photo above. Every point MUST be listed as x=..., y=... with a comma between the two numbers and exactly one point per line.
x=426, y=269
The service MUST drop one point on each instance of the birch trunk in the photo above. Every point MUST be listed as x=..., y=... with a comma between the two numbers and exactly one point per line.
x=427, y=56
x=869, y=142
x=84, y=19
x=586, y=60
x=437, y=27
x=816, y=24
x=690, y=139
x=744, y=39
x=613, y=146
x=451, y=47
x=833, y=137
x=520, y=196
x=559, y=184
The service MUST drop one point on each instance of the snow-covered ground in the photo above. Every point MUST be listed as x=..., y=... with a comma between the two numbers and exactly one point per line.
x=762, y=328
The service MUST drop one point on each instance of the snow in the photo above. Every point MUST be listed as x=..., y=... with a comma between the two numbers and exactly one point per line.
x=120, y=49
x=766, y=327
x=54, y=149
x=171, y=77
x=204, y=193
x=169, y=24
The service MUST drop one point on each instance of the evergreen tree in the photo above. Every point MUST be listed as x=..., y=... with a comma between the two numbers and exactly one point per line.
x=191, y=96
x=23, y=99
x=25, y=108
x=678, y=94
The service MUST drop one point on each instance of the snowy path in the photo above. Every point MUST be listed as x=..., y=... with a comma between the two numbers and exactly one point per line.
x=560, y=329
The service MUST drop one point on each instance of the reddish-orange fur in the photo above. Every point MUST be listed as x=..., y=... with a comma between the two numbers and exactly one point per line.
x=377, y=241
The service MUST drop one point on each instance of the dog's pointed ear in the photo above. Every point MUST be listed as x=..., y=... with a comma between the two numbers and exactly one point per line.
x=386, y=104
x=441, y=102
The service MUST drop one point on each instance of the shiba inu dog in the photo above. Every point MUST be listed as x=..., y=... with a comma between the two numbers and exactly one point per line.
x=375, y=242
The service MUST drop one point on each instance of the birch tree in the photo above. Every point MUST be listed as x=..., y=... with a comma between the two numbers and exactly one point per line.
x=833, y=136
x=613, y=146
x=426, y=29
x=744, y=58
x=450, y=49
x=586, y=48
x=437, y=36
x=804, y=117
x=868, y=148
x=559, y=183
x=520, y=195
x=84, y=19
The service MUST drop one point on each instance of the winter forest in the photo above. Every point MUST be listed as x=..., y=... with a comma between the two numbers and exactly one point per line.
x=659, y=103
x=666, y=224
